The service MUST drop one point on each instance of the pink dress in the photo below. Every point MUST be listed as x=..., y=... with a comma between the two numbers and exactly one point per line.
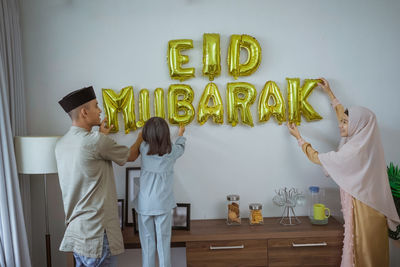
x=348, y=241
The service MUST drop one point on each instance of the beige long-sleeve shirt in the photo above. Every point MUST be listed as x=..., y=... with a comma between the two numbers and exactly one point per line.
x=310, y=152
x=84, y=162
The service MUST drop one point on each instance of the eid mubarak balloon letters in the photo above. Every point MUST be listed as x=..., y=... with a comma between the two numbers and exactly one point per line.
x=240, y=96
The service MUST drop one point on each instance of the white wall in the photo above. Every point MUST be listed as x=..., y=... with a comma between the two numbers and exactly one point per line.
x=68, y=44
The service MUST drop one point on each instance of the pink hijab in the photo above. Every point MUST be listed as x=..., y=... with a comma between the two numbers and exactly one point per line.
x=359, y=166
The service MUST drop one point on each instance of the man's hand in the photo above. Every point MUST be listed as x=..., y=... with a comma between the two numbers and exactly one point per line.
x=103, y=127
x=293, y=130
x=181, y=130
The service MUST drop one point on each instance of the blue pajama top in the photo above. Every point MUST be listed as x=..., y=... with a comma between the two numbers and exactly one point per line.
x=156, y=194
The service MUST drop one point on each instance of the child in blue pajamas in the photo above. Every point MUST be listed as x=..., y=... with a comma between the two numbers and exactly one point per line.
x=155, y=200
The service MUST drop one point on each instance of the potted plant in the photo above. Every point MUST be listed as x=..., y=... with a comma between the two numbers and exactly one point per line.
x=394, y=181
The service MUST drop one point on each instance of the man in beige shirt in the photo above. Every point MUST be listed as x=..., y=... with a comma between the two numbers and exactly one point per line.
x=84, y=162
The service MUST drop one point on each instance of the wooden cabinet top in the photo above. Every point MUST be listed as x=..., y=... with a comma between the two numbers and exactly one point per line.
x=208, y=230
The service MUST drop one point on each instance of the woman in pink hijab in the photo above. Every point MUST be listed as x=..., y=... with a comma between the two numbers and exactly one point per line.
x=359, y=168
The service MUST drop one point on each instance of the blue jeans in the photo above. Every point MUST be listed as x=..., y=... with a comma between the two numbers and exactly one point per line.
x=106, y=260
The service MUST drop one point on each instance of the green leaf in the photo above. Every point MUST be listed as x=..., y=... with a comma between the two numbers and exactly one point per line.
x=394, y=179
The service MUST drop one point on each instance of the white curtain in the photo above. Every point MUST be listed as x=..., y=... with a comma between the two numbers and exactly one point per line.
x=14, y=250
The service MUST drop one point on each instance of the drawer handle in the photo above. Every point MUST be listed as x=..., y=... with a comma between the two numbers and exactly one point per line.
x=323, y=244
x=227, y=247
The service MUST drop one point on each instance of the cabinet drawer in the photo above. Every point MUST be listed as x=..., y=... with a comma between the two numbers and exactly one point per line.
x=318, y=251
x=227, y=253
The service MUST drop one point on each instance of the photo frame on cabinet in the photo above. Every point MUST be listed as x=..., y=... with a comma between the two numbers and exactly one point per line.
x=131, y=190
x=121, y=213
x=181, y=217
x=135, y=221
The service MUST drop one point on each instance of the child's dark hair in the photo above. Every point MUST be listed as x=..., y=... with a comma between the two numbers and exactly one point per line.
x=156, y=134
x=346, y=112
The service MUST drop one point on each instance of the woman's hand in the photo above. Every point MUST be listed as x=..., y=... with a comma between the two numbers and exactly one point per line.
x=327, y=89
x=324, y=84
x=293, y=130
x=103, y=127
x=181, y=130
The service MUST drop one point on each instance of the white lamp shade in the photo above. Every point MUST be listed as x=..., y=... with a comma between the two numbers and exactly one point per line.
x=35, y=155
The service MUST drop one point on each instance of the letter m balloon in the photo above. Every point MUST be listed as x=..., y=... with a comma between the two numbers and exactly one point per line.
x=124, y=102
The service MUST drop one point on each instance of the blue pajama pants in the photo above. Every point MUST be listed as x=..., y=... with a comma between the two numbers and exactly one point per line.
x=155, y=231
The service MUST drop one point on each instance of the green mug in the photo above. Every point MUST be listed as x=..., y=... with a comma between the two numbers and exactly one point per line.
x=319, y=212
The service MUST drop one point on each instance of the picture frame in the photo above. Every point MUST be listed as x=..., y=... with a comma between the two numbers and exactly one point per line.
x=180, y=218
x=120, y=204
x=132, y=185
x=135, y=221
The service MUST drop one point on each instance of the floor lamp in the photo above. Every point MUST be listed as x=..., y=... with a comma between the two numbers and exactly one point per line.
x=35, y=155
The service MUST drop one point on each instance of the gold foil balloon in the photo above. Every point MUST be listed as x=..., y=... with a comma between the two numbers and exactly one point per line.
x=159, y=108
x=240, y=96
x=306, y=109
x=211, y=55
x=216, y=111
x=293, y=90
x=124, y=102
x=271, y=90
x=144, y=107
x=253, y=55
x=176, y=60
x=297, y=100
x=180, y=108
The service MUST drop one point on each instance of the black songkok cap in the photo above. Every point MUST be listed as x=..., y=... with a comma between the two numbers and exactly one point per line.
x=77, y=98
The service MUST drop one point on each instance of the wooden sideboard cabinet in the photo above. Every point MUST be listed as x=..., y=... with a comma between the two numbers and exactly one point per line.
x=309, y=251
x=227, y=253
x=213, y=243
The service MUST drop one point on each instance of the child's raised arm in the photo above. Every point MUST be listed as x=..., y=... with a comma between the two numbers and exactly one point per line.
x=181, y=130
x=179, y=147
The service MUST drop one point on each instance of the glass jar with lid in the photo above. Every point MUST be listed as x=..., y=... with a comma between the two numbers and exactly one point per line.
x=255, y=215
x=233, y=203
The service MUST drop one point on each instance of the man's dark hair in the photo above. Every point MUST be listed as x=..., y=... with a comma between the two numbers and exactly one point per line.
x=156, y=134
x=346, y=112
